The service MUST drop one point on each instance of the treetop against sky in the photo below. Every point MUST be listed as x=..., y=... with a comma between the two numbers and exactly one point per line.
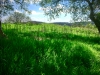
x=37, y=14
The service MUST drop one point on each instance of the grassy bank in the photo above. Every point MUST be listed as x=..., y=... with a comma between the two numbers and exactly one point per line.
x=49, y=50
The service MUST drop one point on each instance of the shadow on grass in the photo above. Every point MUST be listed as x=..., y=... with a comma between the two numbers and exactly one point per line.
x=55, y=35
x=73, y=37
x=66, y=36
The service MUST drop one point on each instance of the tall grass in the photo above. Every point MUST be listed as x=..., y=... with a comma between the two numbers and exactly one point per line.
x=48, y=49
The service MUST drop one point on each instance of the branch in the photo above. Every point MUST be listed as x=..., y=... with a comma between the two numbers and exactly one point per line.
x=91, y=9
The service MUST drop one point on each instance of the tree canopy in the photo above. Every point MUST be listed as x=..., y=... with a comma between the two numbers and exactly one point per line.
x=79, y=9
x=17, y=17
x=7, y=6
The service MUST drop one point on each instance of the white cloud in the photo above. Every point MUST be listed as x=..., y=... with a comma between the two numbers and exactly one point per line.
x=36, y=13
x=39, y=16
x=40, y=8
x=44, y=19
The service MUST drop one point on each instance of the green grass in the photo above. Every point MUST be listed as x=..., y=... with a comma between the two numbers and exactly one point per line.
x=48, y=49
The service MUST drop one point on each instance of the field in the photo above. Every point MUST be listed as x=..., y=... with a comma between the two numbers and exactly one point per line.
x=48, y=49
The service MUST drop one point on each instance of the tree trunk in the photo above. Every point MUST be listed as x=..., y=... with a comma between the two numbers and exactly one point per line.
x=93, y=16
x=1, y=32
x=97, y=23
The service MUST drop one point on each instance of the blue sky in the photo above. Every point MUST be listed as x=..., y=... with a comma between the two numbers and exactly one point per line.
x=37, y=14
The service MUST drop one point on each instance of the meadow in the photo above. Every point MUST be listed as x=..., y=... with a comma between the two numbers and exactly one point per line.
x=48, y=49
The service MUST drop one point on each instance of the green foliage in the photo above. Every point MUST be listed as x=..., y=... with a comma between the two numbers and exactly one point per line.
x=6, y=6
x=79, y=9
x=47, y=49
x=17, y=17
x=98, y=16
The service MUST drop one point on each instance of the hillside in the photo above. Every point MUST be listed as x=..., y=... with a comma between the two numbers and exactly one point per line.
x=49, y=49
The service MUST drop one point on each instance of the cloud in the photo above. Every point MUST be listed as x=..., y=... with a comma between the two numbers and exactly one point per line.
x=40, y=8
x=36, y=13
x=41, y=18
x=45, y=19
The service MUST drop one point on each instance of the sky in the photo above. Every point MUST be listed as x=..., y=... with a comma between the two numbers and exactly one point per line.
x=37, y=14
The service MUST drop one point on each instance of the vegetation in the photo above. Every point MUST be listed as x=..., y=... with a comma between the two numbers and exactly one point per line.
x=8, y=6
x=48, y=49
x=81, y=10
x=17, y=17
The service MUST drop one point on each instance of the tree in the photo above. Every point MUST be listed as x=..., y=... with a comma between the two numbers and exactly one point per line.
x=17, y=17
x=8, y=6
x=80, y=9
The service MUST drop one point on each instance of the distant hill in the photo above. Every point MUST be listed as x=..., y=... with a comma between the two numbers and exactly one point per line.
x=75, y=23
x=62, y=23
x=83, y=23
x=36, y=22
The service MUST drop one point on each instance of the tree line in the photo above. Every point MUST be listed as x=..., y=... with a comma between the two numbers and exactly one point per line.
x=17, y=17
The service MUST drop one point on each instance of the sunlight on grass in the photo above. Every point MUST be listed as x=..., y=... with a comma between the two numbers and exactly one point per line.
x=48, y=49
